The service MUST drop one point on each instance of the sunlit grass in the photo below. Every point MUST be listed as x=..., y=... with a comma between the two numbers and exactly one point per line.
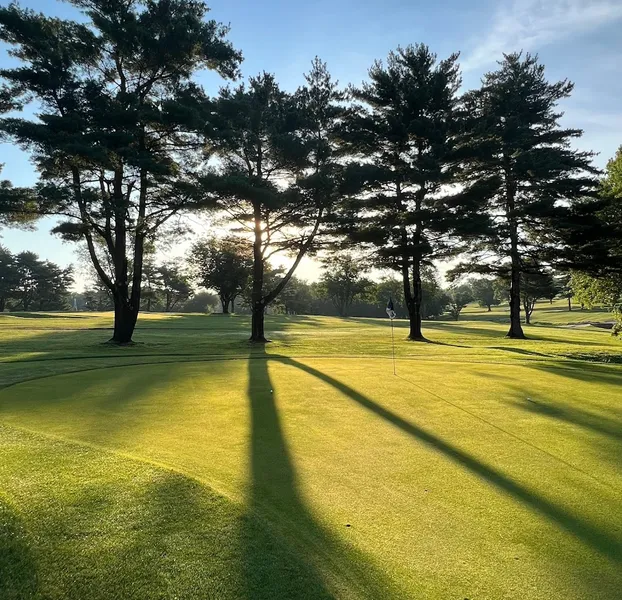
x=194, y=465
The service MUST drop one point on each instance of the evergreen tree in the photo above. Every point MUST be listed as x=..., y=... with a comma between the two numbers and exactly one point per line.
x=279, y=175
x=519, y=161
x=401, y=134
x=40, y=285
x=9, y=277
x=113, y=139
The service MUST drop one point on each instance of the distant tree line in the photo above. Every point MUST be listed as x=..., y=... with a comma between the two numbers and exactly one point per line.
x=28, y=283
x=403, y=167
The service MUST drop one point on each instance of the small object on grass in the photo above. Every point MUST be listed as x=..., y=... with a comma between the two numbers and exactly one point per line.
x=348, y=525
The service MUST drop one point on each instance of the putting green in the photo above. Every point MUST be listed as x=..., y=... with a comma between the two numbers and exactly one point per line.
x=279, y=477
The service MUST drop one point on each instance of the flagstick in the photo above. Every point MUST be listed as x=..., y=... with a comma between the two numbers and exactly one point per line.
x=393, y=346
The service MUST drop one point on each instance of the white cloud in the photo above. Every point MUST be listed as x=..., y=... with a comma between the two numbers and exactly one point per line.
x=531, y=24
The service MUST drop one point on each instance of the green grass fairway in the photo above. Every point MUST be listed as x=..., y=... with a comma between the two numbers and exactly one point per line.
x=192, y=465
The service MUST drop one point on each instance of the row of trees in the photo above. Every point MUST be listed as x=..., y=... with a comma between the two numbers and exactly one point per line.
x=29, y=283
x=125, y=141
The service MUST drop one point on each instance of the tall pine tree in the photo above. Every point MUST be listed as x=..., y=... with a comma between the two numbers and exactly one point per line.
x=519, y=162
x=279, y=174
x=401, y=134
x=113, y=133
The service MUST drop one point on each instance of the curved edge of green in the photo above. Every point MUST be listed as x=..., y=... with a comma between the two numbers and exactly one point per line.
x=78, y=522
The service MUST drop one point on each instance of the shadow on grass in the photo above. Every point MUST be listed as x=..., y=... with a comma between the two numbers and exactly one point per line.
x=102, y=526
x=602, y=541
x=589, y=372
x=602, y=425
x=274, y=491
x=520, y=351
x=18, y=568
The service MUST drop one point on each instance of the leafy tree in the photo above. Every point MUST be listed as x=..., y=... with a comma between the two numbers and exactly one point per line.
x=343, y=281
x=594, y=235
x=297, y=297
x=152, y=284
x=18, y=207
x=401, y=132
x=434, y=297
x=175, y=285
x=484, y=292
x=203, y=302
x=604, y=291
x=390, y=288
x=279, y=173
x=459, y=296
x=536, y=285
x=223, y=265
x=9, y=277
x=41, y=285
x=562, y=283
x=114, y=136
x=520, y=163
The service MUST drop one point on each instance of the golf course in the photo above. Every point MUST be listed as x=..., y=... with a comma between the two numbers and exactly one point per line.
x=195, y=465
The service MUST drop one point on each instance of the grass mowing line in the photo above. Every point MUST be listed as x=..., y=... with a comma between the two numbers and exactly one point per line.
x=274, y=521
x=219, y=358
x=512, y=435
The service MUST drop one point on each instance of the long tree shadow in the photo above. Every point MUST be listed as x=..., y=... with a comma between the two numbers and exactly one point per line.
x=605, y=426
x=18, y=569
x=274, y=492
x=602, y=541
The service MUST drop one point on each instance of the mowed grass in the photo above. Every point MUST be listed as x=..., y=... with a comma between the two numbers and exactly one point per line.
x=193, y=465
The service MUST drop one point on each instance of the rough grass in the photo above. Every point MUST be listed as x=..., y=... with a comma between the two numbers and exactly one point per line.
x=193, y=465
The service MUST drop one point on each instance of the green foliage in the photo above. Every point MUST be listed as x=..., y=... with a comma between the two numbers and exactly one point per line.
x=604, y=291
x=484, y=292
x=343, y=281
x=520, y=164
x=9, y=277
x=400, y=133
x=32, y=284
x=113, y=140
x=175, y=285
x=279, y=173
x=534, y=286
x=223, y=265
x=459, y=296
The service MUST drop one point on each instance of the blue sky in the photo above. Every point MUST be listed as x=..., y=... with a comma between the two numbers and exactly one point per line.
x=576, y=39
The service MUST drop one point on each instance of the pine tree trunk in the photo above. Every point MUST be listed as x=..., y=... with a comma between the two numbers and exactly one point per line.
x=415, y=319
x=2, y=304
x=124, y=322
x=257, y=324
x=257, y=301
x=225, y=305
x=569, y=304
x=516, y=329
x=489, y=309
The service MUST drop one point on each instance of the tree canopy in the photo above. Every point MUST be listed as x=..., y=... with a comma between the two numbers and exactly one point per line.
x=115, y=100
